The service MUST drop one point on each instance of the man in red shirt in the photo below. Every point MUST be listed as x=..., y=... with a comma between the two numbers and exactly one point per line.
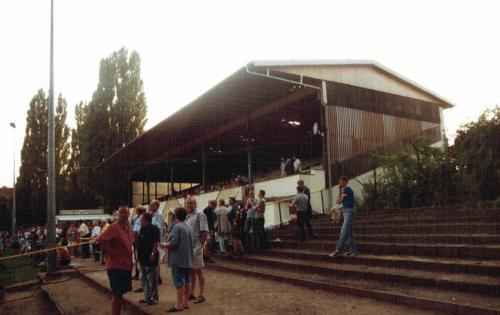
x=116, y=242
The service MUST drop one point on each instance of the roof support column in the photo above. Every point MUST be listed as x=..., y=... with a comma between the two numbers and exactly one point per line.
x=171, y=180
x=249, y=153
x=326, y=155
x=203, y=174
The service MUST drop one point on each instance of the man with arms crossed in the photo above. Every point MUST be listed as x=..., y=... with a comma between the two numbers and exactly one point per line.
x=198, y=222
x=116, y=243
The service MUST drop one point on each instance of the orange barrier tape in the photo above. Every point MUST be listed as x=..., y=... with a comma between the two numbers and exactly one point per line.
x=44, y=250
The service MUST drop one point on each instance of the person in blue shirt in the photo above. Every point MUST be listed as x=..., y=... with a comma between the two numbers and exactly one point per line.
x=346, y=197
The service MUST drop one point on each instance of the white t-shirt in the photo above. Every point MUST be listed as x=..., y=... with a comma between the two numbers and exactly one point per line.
x=84, y=230
x=297, y=165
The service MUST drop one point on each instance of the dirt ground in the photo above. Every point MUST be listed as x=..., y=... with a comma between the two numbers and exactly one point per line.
x=27, y=302
x=233, y=294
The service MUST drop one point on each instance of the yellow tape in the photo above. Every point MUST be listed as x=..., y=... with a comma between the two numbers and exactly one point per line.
x=43, y=250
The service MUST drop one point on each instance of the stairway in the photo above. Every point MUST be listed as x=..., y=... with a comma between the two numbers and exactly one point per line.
x=439, y=259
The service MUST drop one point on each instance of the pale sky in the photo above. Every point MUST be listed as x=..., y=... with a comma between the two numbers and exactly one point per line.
x=450, y=47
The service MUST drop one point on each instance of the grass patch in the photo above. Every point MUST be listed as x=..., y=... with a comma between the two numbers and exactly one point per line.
x=17, y=269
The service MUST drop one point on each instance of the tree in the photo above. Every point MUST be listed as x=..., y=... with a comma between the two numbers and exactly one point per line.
x=32, y=181
x=420, y=175
x=115, y=116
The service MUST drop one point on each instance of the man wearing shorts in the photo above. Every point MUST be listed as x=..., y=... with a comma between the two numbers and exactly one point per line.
x=116, y=242
x=198, y=222
x=180, y=258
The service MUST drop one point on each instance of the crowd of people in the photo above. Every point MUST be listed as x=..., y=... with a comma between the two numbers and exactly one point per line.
x=185, y=240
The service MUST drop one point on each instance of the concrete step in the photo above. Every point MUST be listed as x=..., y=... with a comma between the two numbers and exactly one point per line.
x=491, y=239
x=489, y=285
x=470, y=228
x=416, y=249
x=478, y=267
x=430, y=212
x=413, y=221
x=448, y=301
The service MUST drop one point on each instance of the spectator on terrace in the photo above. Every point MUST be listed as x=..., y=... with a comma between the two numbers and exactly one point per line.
x=300, y=203
x=198, y=222
x=259, y=220
x=238, y=232
x=136, y=228
x=346, y=197
x=249, y=221
x=307, y=192
x=223, y=225
x=283, y=167
x=96, y=231
x=209, y=212
x=157, y=220
x=85, y=234
x=233, y=208
x=289, y=167
x=116, y=241
x=63, y=258
x=297, y=164
x=180, y=259
x=147, y=254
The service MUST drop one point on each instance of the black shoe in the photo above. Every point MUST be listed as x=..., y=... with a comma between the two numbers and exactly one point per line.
x=192, y=298
x=138, y=290
x=152, y=302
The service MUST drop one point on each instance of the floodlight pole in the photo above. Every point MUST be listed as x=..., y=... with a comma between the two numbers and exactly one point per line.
x=13, y=125
x=51, y=182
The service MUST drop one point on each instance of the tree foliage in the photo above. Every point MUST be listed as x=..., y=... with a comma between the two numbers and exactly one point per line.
x=115, y=116
x=32, y=182
x=421, y=175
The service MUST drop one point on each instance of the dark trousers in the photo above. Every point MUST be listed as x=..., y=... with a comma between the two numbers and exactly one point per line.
x=258, y=224
x=86, y=248
x=302, y=218
x=97, y=251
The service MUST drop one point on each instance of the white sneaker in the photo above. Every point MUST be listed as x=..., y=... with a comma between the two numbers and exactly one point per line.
x=334, y=254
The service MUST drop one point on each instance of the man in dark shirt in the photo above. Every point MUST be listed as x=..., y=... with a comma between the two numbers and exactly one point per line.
x=307, y=192
x=211, y=217
x=147, y=254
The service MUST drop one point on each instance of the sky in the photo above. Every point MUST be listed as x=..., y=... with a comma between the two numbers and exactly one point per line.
x=186, y=47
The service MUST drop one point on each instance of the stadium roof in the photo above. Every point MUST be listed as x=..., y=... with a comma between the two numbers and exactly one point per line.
x=246, y=95
x=355, y=62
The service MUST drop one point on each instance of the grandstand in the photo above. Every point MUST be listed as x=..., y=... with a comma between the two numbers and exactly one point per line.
x=331, y=114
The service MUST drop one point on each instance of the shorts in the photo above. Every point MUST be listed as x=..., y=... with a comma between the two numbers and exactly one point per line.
x=120, y=281
x=198, y=257
x=180, y=276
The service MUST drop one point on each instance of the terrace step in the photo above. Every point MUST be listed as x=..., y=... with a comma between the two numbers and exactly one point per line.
x=448, y=301
x=446, y=228
x=415, y=221
x=443, y=280
x=417, y=249
x=479, y=267
x=411, y=238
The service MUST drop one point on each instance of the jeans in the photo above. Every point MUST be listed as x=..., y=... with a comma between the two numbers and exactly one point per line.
x=261, y=232
x=302, y=218
x=346, y=233
x=248, y=237
x=149, y=281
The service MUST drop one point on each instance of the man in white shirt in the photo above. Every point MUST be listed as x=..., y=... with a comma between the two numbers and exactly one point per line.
x=84, y=233
x=96, y=232
x=297, y=164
